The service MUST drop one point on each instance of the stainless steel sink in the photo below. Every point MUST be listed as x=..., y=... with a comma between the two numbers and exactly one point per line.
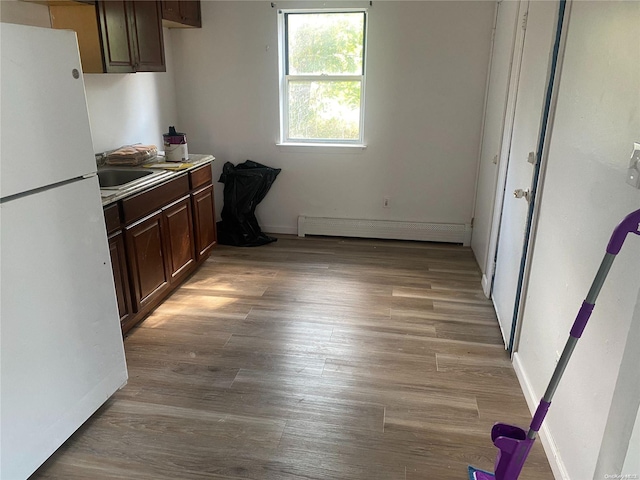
x=111, y=178
x=116, y=178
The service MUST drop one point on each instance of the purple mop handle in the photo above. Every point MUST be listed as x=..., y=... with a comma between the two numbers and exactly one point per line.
x=630, y=224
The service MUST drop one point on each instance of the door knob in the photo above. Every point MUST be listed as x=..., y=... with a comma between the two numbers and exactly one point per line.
x=519, y=193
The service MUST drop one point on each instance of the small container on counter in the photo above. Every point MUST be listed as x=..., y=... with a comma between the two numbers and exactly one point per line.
x=175, y=146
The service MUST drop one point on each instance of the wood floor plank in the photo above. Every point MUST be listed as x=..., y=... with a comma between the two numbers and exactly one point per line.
x=448, y=295
x=323, y=314
x=469, y=332
x=310, y=358
x=195, y=324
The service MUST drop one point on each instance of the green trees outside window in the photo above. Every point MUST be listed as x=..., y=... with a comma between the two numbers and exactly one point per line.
x=324, y=76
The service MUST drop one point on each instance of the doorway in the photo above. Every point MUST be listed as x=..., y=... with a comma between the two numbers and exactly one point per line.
x=530, y=102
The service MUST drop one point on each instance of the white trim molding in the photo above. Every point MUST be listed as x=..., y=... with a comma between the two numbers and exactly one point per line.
x=385, y=229
x=549, y=445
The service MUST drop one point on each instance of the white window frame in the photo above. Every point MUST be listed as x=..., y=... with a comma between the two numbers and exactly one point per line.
x=284, y=81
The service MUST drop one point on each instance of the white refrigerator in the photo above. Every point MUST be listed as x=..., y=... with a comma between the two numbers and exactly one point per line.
x=61, y=350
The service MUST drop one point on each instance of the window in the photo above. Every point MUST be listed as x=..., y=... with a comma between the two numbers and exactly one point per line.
x=322, y=73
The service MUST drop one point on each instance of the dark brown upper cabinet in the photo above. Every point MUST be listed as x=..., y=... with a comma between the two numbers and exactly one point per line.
x=117, y=42
x=181, y=14
x=146, y=29
x=115, y=36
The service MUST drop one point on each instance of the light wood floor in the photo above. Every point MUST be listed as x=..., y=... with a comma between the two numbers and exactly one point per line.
x=310, y=358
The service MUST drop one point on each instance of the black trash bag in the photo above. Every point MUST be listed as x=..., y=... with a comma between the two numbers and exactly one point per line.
x=245, y=185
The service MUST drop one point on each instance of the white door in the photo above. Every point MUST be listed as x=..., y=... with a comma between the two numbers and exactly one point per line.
x=534, y=74
x=502, y=64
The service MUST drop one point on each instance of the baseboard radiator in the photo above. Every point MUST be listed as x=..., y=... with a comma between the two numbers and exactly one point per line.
x=386, y=229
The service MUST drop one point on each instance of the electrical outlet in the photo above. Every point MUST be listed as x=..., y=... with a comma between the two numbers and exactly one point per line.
x=386, y=202
x=633, y=172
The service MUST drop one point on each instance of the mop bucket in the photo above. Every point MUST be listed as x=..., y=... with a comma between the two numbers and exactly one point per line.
x=513, y=442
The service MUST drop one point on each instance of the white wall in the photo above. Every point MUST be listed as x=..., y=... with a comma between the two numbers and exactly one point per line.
x=132, y=108
x=24, y=13
x=427, y=66
x=623, y=421
x=584, y=196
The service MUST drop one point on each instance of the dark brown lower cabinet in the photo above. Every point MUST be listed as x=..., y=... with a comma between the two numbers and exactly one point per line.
x=157, y=238
x=120, y=275
x=148, y=265
x=178, y=224
x=204, y=220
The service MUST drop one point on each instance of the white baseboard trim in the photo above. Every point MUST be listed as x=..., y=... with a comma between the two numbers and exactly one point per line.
x=505, y=339
x=387, y=229
x=549, y=445
x=486, y=286
x=282, y=230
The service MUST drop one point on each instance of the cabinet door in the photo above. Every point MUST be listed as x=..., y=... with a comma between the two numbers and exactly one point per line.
x=171, y=10
x=114, y=24
x=146, y=30
x=190, y=12
x=182, y=13
x=120, y=275
x=179, y=238
x=146, y=250
x=204, y=220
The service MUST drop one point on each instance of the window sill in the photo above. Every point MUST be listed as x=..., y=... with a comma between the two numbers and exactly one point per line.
x=349, y=146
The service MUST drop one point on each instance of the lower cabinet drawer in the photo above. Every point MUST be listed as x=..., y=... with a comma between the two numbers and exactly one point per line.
x=112, y=218
x=149, y=201
x=200, y=176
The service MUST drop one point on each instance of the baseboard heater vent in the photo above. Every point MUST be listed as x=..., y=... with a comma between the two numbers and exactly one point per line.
x=387, y=229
